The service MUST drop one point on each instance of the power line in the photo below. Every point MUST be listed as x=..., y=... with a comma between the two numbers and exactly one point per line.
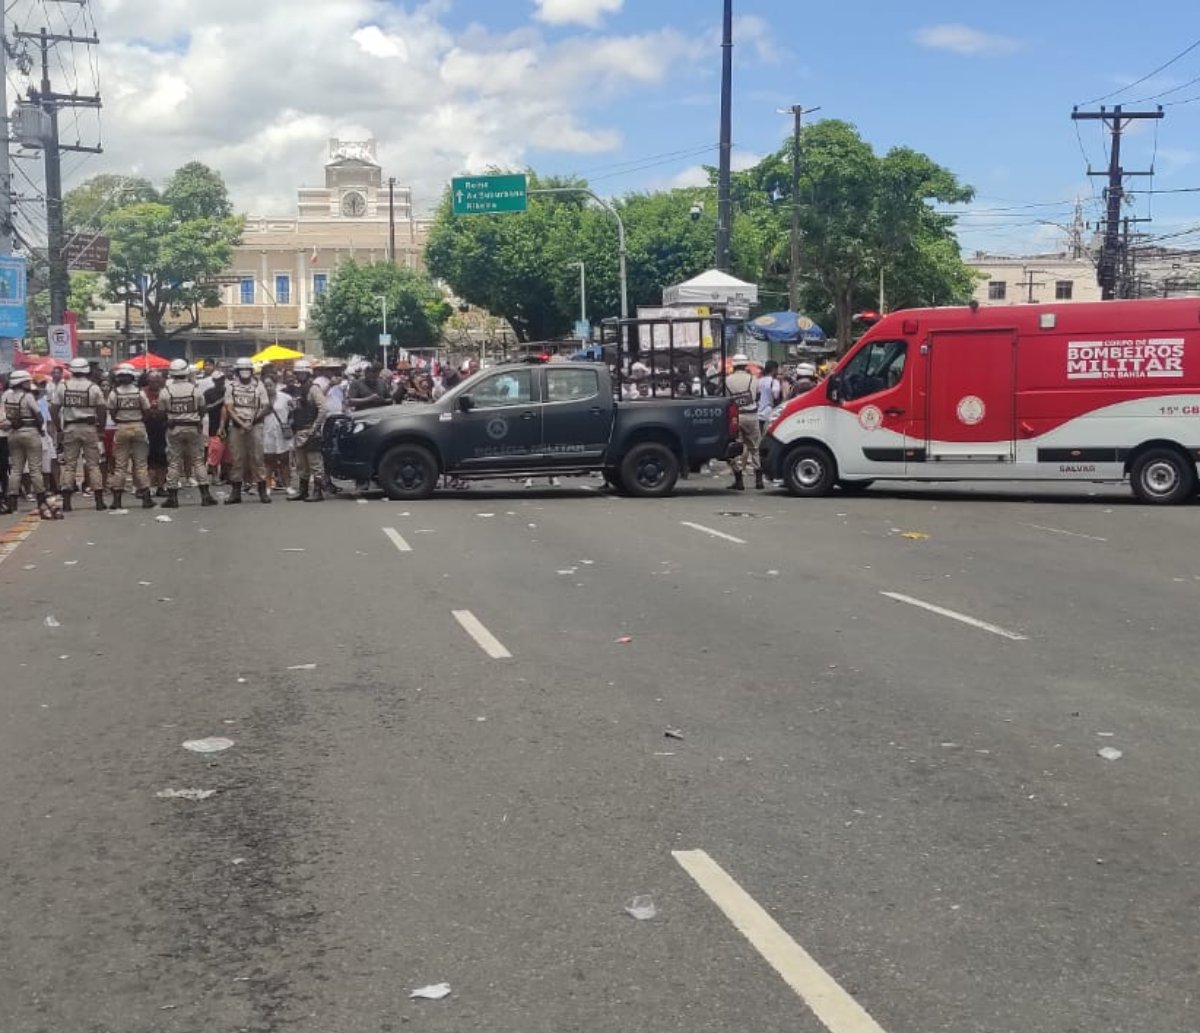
x=1150, y=75
x=1167, y=93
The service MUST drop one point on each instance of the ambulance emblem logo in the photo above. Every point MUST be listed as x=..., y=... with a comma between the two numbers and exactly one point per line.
x=971, y=410
x=870, y=417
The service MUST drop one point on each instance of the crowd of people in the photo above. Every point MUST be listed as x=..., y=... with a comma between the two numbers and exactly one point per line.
x=84, y=432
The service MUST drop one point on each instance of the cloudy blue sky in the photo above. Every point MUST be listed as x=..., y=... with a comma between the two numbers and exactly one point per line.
x=626, y=91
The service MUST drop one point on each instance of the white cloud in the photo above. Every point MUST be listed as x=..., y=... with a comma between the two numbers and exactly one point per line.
x=962, y=39
x=257, y=89
x=697, y=176
x=575, y=12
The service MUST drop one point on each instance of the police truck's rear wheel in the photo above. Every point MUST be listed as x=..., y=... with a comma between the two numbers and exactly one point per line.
x=809, y=471
x=408, y=472
x=1163, y=476
x=649, y=470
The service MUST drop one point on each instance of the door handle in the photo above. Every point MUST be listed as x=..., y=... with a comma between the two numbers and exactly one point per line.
x=894, y=411
x=527, y=415
x=597, y=411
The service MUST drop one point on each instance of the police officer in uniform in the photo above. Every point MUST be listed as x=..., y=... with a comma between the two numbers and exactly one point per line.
x=129, y=405
x=246, y=406
x=308, y=422
x=740, y=386
x=79, y=406
x=25, y=425
x=183, y=402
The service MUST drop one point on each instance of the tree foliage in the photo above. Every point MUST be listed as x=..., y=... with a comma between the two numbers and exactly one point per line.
x=172, y=244
x=349, y=316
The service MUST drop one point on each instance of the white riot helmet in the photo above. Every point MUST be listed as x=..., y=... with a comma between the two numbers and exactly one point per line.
x=79, y=367
x=806, y=369
x=125, y=370
x=302, y=366
x=740, y=360
x=243, y=368
x=20, y=378
x=178, y=368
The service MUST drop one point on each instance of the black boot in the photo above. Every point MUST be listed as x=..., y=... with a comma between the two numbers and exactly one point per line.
x=302, y=494
x=758, y=479
x=4, y=505
x=318, y=493
x=147, y=500
x=235, y=496
x=263, y=494
x=117, y=499
x=172, y=499
x=99, y=496
x=206, y=498
x=66, y=497
x=43, y=507
x=738, y=483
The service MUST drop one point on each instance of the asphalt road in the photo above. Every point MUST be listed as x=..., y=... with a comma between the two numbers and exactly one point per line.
x=913, y=795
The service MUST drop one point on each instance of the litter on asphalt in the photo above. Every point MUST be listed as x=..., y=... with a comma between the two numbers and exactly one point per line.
x=624, y=640
x=303, y=667
x=162, y=518
x=641, y=907
x=213, y=745
x=52, y=622
x=915, y=536
x=185, y=794
x=673, y=733
x=1108, y=753
x=433, y=992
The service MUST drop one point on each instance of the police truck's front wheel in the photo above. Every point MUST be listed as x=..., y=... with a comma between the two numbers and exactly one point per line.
x=809, y=471
x=1163, y=476
x=408, y=472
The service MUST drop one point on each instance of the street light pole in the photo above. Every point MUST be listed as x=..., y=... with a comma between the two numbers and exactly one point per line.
x=724, y=200
x=383, y=305
x=582, y=291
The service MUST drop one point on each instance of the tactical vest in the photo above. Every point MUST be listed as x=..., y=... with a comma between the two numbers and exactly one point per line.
x=245, y=399
x=305, y=414
x=740, y=387
x=14, y=411
x=79, y=400
x=128, y=403
x=182, y=407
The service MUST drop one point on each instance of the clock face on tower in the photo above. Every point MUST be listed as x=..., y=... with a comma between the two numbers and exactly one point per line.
x=354, y=204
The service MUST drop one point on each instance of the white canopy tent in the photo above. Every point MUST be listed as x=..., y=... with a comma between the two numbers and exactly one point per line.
x=711, y=288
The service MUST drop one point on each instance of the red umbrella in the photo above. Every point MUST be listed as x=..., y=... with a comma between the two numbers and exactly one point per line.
x=149, y=361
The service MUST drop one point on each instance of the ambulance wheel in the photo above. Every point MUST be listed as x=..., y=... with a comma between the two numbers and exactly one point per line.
x=1163, y=476
x=408, y=472
x=809, y=471
x=854, y=487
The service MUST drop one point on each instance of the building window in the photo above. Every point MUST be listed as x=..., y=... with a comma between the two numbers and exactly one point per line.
x=997, y=290
x=246, y=290
x=320, y=284
x=1063, y=289
x=283, y=290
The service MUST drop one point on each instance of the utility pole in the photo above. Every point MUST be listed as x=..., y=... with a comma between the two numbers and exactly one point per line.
x=798, y=112
x=1117, y=121
x=52, y=103
x=724, y=200
x=1030, y=282
x=392, y=219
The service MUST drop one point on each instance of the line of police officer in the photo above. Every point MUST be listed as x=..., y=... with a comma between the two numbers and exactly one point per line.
x=81, y=410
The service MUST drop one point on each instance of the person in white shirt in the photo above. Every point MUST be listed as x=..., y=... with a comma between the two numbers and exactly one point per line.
x=769, y=391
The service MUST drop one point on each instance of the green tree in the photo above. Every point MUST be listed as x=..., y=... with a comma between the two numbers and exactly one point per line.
x=349, y=316
x=174, y=249
x=85, y=207
x=861, y=216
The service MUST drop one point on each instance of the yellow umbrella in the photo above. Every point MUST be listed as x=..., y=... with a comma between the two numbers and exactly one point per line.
x=276, y=353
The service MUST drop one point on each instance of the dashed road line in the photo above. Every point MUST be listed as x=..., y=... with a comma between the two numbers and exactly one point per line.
x=1072, y=534
x=837, y=1010
x=397, y=539
x=484, y=639
x=712, y=531
x=954, y=615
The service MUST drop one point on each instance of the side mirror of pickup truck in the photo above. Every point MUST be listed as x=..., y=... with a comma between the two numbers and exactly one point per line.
x=466, y=403
x=833, y=388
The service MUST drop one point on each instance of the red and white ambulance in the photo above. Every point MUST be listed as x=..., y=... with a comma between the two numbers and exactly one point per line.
x=1092, y=392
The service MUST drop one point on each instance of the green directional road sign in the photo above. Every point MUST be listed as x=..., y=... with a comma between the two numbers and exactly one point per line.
x=489, y=195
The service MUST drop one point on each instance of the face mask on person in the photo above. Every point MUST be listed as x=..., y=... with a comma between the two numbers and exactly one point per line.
x=244, y=375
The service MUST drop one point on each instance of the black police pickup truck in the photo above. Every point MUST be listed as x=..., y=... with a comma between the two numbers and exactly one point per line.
x=533, y=421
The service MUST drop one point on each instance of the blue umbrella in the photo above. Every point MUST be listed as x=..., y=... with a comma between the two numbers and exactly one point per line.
x=786, y=328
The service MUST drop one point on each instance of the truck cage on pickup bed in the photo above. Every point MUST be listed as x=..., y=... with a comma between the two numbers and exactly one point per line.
x=642, y=339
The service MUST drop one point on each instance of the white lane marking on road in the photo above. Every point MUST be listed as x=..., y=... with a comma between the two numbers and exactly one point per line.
x=397, y=539
x=954, y=615
x=837, y=1010
x=1073, y=534
x=713, y=532
x=483, y=638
